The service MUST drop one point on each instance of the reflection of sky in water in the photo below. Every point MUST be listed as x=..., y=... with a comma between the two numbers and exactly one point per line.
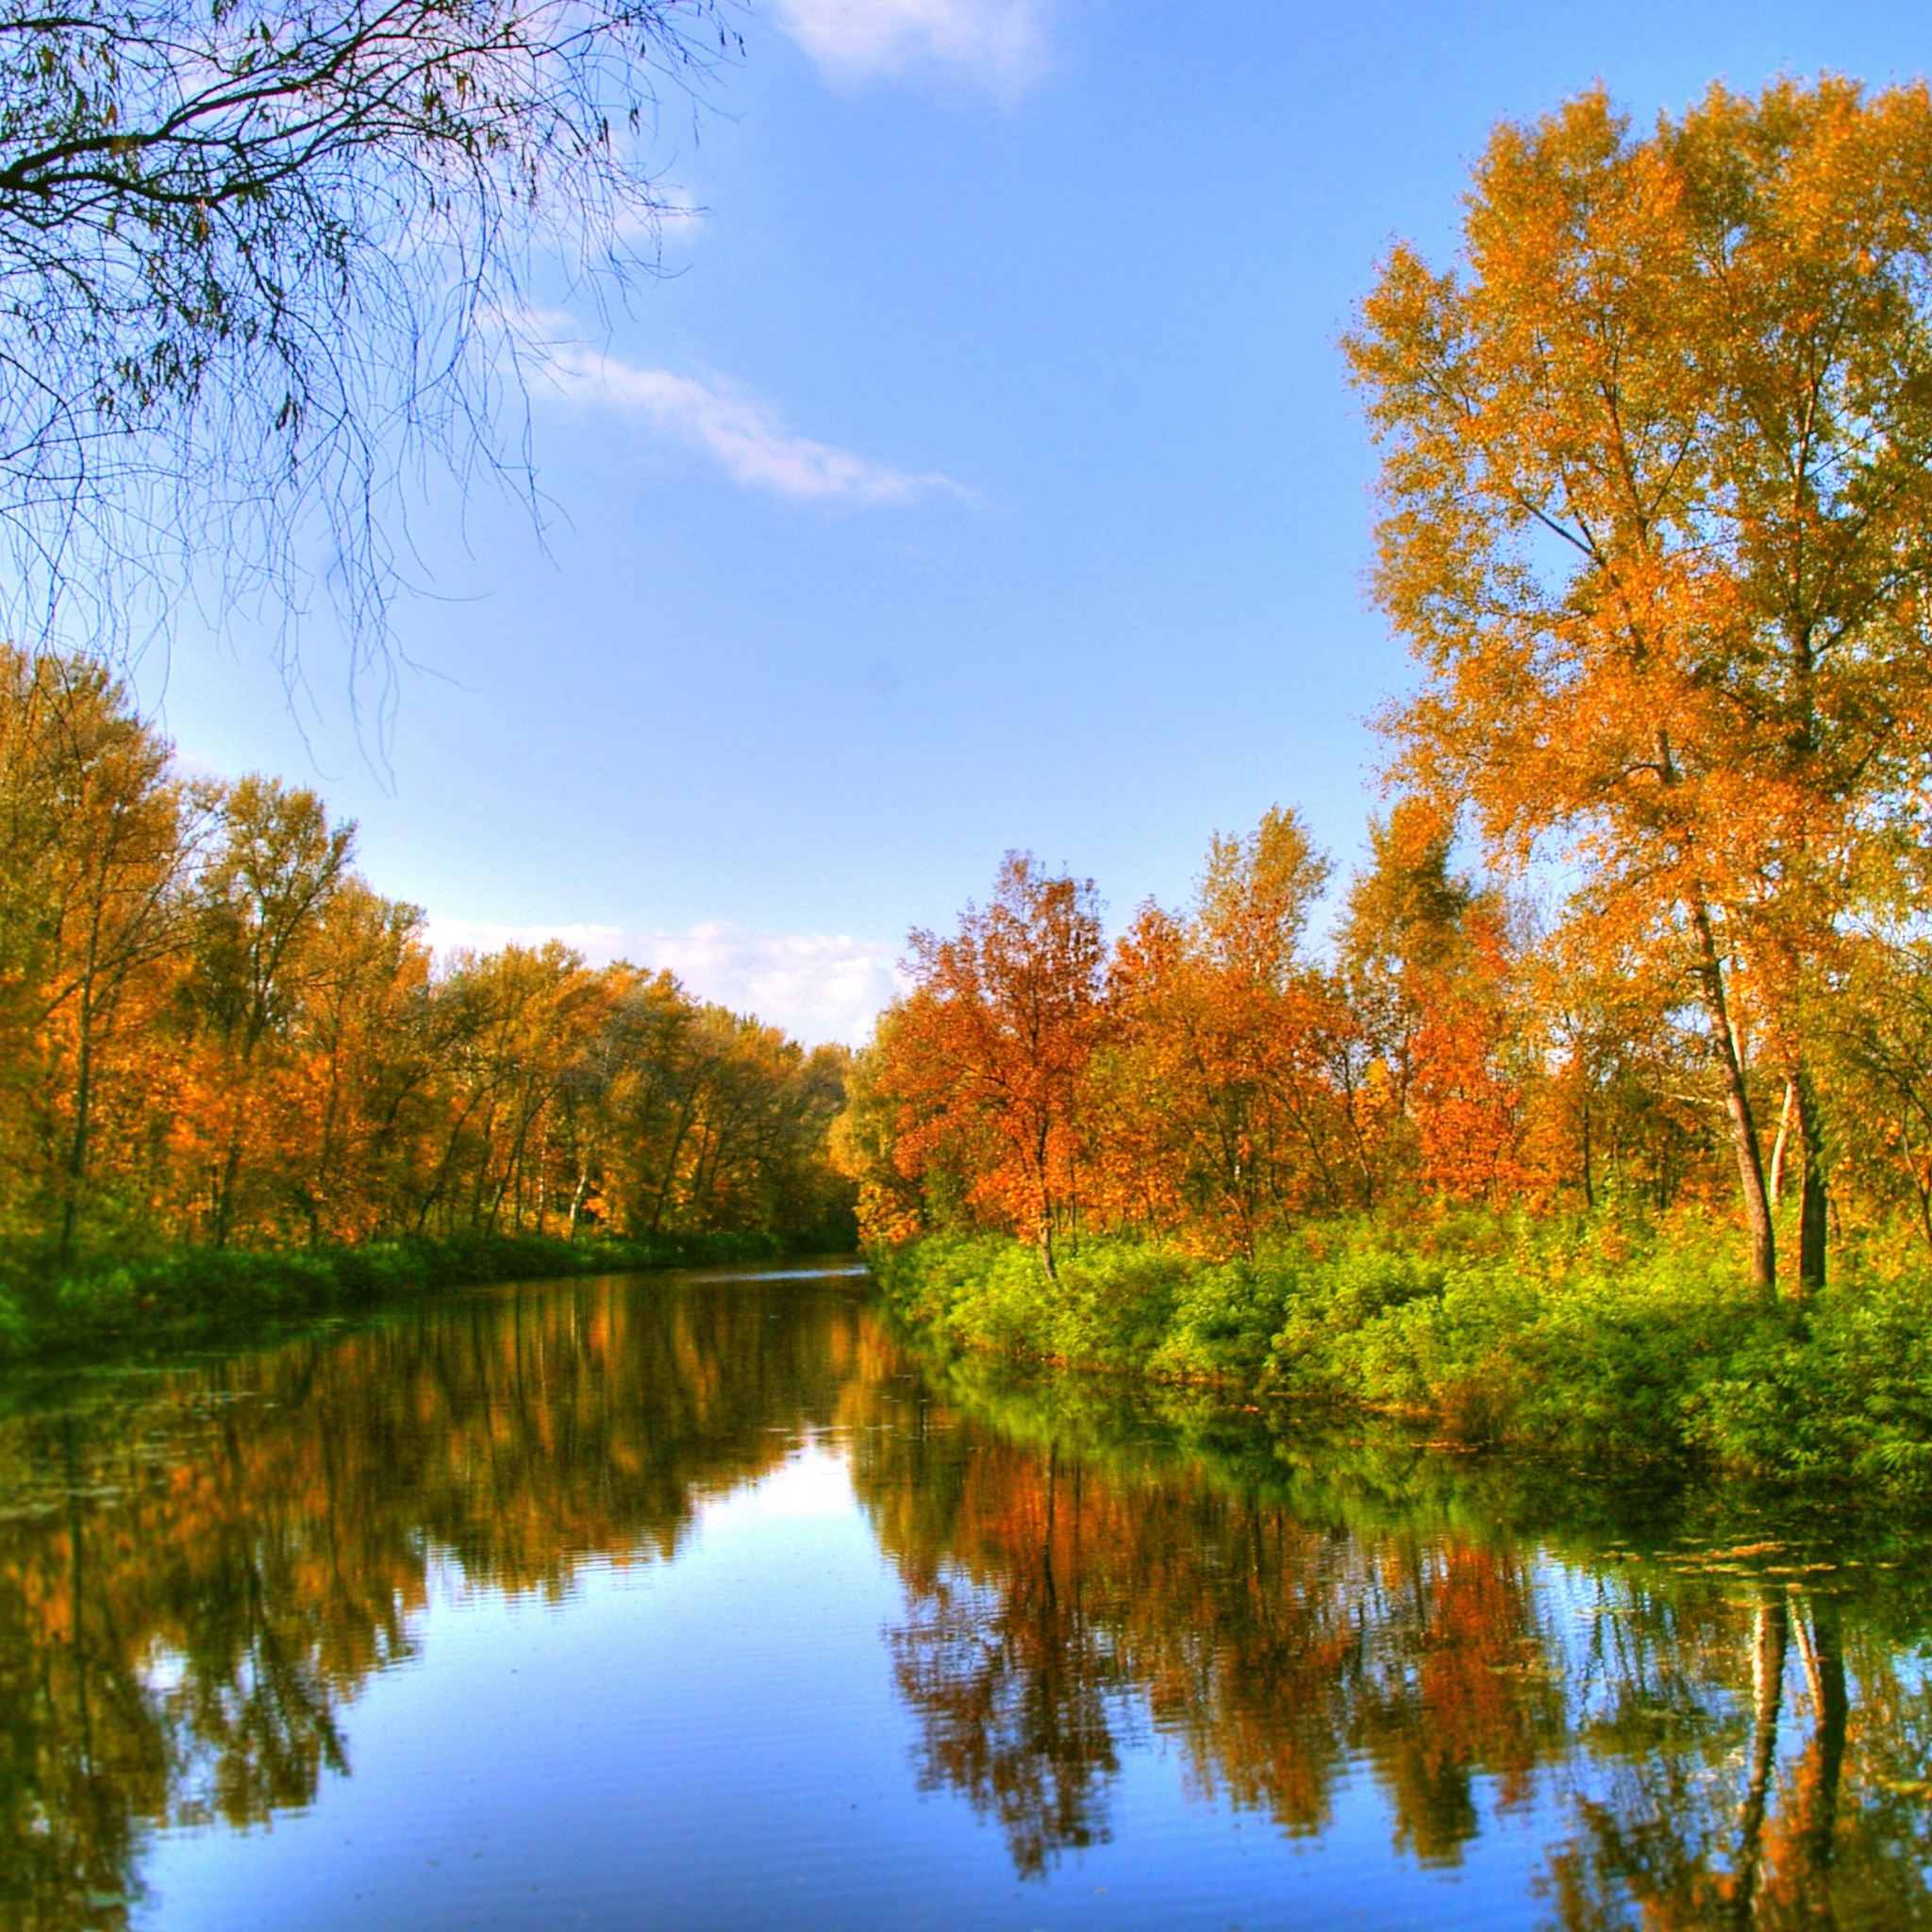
x=629, y=1605
x=717, y=1741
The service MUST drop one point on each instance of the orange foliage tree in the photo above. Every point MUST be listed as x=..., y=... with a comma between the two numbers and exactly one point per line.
x=99, y=839
x=1655, y=488
x=1429, y=963
x=991, y=1051
x=1223, y=1112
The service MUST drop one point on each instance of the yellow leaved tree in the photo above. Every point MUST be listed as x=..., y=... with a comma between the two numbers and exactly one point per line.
x=1656, y=481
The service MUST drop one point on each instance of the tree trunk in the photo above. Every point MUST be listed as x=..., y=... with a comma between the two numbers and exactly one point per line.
x=224, y=1185
x=1814, y=1203
x=1583, y=1137
x=1724, y=1046
x=1783, y=1141
x=1770, y=1636
x=1823, y=1768
x=77, y=1147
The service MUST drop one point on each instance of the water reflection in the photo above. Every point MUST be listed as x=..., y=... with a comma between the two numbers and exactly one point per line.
x=1687, y=1713
x=1712, y=1735
x=195, y=1574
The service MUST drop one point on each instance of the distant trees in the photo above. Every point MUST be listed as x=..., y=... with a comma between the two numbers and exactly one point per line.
x=213, y=1031
x=1657, y=469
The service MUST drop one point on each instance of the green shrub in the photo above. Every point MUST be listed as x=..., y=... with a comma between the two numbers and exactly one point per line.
x=1589, y=1337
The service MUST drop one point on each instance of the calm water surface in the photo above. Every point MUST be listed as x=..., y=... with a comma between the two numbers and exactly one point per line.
x=696, y=1602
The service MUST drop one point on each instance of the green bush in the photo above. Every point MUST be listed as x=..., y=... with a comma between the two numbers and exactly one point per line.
x=1588, y=1336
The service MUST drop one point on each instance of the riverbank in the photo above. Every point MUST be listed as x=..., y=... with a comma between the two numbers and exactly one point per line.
x=1587, y=1338
x=206, y=1294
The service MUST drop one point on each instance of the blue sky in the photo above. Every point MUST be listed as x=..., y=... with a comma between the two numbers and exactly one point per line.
x=982, y=475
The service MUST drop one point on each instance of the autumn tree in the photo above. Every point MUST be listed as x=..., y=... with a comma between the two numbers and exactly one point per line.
x=363, y=1089
x=993, y=1044
x=518, y=1024
x=1656, y=491
x=1426, y=960
x=259, y=910
x=1876, y=1028
x=96, y=846
x=1621, y=1112
x=1223, y=1117
x=897, y=1195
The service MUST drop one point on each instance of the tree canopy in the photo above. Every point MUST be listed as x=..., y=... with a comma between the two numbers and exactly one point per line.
x=1656, y=479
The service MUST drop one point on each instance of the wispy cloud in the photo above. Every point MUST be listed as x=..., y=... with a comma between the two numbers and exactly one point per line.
x=998, y=45
x=739, y=431
x=816, y=986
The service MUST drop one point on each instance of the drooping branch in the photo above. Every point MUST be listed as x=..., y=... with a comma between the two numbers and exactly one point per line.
x=255, y=263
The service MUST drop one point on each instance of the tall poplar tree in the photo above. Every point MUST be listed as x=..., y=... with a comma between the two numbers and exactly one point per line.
x=1656, y=484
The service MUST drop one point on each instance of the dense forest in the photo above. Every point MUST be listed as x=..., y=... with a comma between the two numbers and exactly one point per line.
x=1218, y=1078
x=214, y=1032
x=1643, y=926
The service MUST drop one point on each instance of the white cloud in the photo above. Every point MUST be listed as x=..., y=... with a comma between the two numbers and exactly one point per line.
x=816, y=986
x=741, y=433
x=999, y=45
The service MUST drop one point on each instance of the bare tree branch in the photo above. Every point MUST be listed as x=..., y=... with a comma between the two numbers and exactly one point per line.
x=258, y=262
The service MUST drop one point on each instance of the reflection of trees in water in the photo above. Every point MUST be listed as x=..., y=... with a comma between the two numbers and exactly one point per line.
x=1714, y=1759
x=1018, y=1686
x=1042, y=1593
x=220, y=1563
x=193, y=1580
x=1806, y=1809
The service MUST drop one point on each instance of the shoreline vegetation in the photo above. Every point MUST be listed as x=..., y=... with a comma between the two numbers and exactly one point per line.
x=206, y=1295
x=1583, y=1339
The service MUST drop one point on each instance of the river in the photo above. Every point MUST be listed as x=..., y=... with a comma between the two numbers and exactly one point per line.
x=698, y=1600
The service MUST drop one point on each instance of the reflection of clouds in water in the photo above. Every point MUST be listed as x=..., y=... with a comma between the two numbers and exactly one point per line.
x=816, y=986
x=813, y=1484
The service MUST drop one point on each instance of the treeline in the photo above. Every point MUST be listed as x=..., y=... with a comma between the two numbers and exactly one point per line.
x=1655, y=479
x=1216, y=1079
x=215, y=1034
